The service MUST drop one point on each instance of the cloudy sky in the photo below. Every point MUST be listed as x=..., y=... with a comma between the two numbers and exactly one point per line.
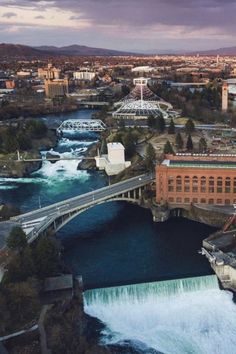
x=120, y=24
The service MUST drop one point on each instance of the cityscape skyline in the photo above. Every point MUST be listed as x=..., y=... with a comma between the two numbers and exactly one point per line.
x=131, y=25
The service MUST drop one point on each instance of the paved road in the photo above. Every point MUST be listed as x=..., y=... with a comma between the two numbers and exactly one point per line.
x=83, y=200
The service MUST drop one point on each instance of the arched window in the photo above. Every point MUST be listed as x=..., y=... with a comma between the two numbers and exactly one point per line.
x=227, y=202
x=170, y=184
x=219, y=185
x=186, y=183
x=234, y=184
x=195, y=184
x=203, y=201
x=211, y=184
x=203, y=184
x=227, y=185
x=178, y=184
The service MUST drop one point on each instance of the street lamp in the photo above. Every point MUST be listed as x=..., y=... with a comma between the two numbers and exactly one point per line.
x=93, y=192
x=40, y=206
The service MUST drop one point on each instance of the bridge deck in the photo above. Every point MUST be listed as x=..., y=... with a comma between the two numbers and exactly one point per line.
x=95, y=125
x=38, y=220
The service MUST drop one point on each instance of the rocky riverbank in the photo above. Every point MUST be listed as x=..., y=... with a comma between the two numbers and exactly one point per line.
x=70, y=330
x=89, y=164
x=10, y=167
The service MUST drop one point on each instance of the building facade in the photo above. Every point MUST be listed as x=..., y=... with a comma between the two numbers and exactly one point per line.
x=56, y=88
x=184, y=179
x=225, y=96
x=84, y=75
x=49, y=73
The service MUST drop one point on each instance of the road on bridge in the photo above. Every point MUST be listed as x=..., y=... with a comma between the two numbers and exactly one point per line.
x=83, y=200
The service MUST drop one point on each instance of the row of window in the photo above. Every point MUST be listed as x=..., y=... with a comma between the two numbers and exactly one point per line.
x=179, y=200
x=202, y=189
x=218, y=185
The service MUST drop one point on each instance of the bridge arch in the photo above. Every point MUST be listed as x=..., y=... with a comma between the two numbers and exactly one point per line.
x=66, y=218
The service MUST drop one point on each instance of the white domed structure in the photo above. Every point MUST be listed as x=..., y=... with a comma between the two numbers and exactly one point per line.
x=141, y=103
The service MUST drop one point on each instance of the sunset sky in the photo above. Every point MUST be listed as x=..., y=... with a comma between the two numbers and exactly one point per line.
x=120, y=24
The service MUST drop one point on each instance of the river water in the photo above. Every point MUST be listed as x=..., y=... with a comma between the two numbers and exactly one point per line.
x=116, y=245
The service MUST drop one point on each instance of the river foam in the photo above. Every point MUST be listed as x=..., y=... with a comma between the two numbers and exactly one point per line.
x=174, y=317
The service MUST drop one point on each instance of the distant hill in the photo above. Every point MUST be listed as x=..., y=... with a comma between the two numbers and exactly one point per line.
x=219, y=51
x=14, y=51
x=18, y=51
x=82, y=50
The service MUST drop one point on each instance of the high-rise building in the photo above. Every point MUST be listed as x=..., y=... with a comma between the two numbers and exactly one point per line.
x=49, y=73
x=225, y=96
x=56, y=88
x=84, y=75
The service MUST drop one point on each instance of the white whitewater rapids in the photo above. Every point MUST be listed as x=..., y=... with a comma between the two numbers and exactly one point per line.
x=179, y=316
x=57, y=172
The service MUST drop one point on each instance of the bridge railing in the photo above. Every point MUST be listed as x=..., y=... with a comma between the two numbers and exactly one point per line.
x=142, y=180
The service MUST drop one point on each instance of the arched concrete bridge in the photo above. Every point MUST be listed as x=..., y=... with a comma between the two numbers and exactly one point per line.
x=55, y=216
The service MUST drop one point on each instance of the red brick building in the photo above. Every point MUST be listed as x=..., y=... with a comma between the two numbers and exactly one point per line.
x=197, y=178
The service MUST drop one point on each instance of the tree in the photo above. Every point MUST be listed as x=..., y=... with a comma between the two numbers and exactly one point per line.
x=17, y=239
x=22, y=301
x=189, y=126
x=168, y=149
x=151, y=121
x=160, y=124
x=150, y=157
x=129, y=144
x=202, y=145
x=36, y=129
x=24, y=142
x=189, y=144
x=171, y=128
x=46, y=257
x=20, y=267
x=179, y=141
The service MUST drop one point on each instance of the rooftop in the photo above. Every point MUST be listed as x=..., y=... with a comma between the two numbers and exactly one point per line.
x=200, y=164
x=115, y=146
x=61, y=282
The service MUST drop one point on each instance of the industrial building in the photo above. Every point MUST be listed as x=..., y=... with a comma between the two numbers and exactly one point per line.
x=185, y=179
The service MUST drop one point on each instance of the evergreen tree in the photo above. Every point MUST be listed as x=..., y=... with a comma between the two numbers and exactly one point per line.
x=17, y=239
x=202, y=145
x=150, y=158
x=171, y=128
x=160, y=124
x=22, y=300
x=151, y=121
x=46, y=257
x=179, y=141
x=168, y=149
x=189, y=144
x=129, y=144
x=189, y=126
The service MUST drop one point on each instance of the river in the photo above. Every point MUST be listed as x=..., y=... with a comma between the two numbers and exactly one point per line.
x=117, y=245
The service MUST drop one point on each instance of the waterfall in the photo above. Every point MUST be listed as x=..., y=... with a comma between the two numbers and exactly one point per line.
x=140, y=292
x=178, y=316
